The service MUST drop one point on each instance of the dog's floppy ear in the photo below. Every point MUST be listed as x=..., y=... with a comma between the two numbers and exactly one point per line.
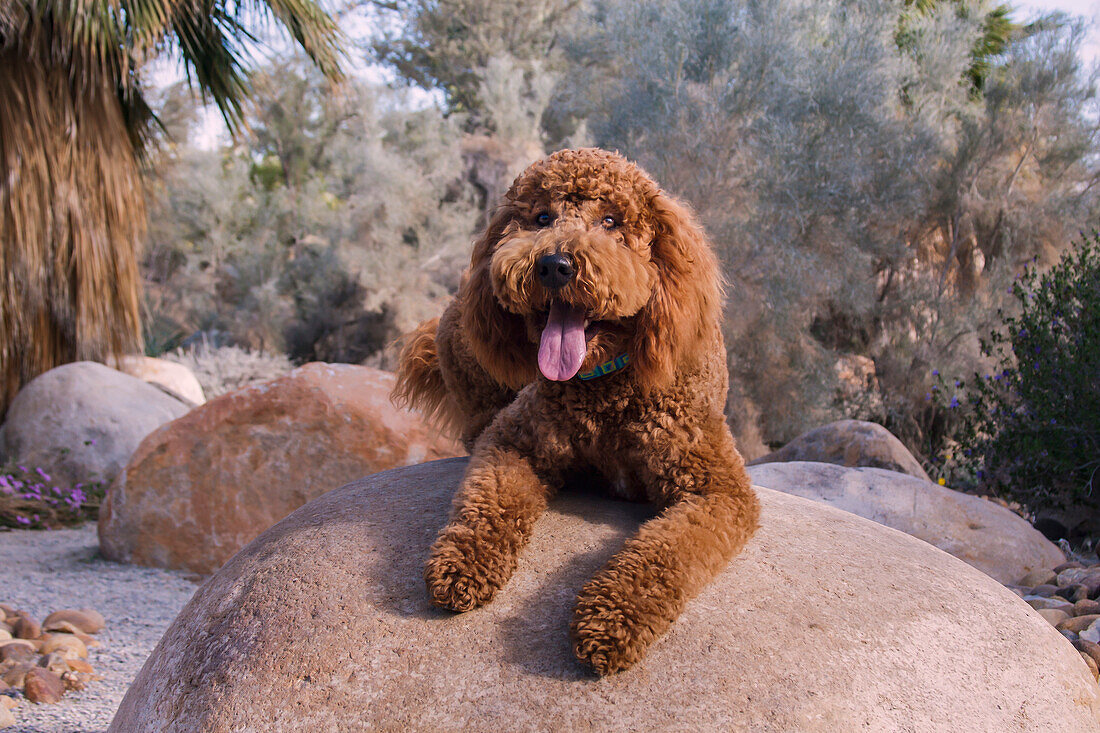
x=683, y=311
x=497, y=338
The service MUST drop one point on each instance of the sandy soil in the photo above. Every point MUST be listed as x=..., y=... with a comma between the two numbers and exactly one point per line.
x=42, y=571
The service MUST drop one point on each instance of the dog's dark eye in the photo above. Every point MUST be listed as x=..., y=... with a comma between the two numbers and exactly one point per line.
x=609, y=222
x=543, y=219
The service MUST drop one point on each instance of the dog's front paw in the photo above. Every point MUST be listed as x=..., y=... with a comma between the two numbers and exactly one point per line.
x=609, y=634
x=455, y=579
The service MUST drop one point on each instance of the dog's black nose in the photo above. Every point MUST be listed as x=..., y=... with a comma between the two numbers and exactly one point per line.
x=555, y=271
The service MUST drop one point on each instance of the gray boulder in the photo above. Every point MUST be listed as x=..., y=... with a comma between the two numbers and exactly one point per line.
x=986, y=535
x=849, y=443
x=81, y=422
x=825, y=622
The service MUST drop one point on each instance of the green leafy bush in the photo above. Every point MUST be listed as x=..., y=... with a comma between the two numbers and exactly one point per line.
x=1030, y=429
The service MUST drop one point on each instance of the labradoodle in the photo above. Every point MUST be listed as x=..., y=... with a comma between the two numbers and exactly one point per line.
x=585, y=337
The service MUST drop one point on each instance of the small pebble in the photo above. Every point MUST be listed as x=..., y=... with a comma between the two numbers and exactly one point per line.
x=1055, y=617
x=1092, y=666
x=1071, y=576
x=1089, y=648
x=43, y=686
x=1085, y=607
x=1078, y=623
x=17, y=650
x=66, y=644
x=26, y=627
x=1059, y=604
x=79, y=665
x=17, y=674
x=54, y=662
x=85, y=620
x=1038, y=577
x=1044, y=590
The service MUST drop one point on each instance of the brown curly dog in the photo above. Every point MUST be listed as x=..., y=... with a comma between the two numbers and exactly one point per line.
x=585, y=338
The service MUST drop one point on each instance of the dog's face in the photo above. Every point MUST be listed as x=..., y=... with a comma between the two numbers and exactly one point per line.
x=588, y=260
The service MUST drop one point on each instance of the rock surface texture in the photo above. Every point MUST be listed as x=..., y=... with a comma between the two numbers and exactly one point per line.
x=986, y=535
x=825, y=622
x=849, y=443
x=81, y=422
x=201, y=488
x=176, y=379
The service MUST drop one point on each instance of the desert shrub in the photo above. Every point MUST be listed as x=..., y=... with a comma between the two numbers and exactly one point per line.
x=447, y=44
x=29, y=499
x=339, y=220
x=1029, y=429
x=872, y=178
x=222, y=369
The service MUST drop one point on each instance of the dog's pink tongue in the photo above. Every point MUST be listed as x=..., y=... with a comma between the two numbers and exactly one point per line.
x=563, y=346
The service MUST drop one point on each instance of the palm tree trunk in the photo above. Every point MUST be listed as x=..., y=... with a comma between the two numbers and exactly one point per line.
x=72, y=216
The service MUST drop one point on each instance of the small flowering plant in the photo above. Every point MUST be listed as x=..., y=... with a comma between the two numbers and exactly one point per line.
x=1030, y=429
x=31, y=499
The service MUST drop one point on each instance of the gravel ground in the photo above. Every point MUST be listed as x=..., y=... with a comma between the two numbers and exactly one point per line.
x=42, y=572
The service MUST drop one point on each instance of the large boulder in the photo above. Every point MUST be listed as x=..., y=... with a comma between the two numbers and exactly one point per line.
x=986, y=535
x=849, y=443
x=825, y=622
x=202, y=487
x=174, y=378
x=80, y=422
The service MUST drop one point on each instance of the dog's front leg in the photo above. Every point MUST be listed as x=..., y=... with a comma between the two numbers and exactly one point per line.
x=493, y=514
x=711, y=512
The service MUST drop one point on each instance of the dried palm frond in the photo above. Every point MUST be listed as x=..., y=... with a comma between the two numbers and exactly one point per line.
x=73, y=127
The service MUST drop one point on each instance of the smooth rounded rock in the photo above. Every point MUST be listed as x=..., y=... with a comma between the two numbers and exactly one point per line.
x=1059, y=604
x=43, y=686
x=175, y=379
x=788, y=637
x=85, y=620
x=1056, y=618
x=984, y=534
x=1092, y=666
x=81, y=422
x=66, y=645
x=1077, y=624
x=18, y=649
x=1090, y=648
x=16, y=674
x=850, y=443
x=1042, y=576
x=202, y=487
x=25, y=627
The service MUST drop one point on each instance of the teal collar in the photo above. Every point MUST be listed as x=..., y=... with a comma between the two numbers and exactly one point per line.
x=619, y=362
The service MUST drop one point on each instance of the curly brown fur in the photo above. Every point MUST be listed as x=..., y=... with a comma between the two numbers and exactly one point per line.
x=648, y=285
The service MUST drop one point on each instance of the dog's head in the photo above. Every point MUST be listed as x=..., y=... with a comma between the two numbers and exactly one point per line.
x=586, y=260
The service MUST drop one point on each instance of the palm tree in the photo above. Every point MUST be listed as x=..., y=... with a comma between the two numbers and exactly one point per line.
x=74, y=126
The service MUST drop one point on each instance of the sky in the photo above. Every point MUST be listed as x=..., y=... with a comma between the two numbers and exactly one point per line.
x=212, y=130
x=1090, y=9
